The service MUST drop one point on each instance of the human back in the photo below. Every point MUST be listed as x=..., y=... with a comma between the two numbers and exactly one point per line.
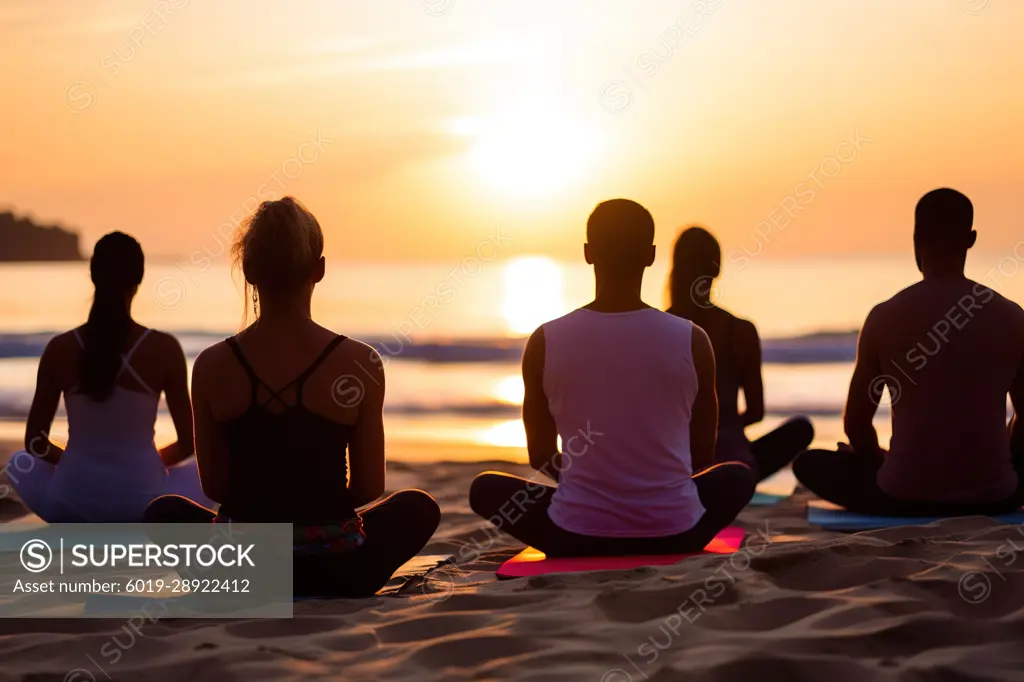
x=630, y=391
x=731, y=338
x=289, y=414
x=621, y=388
x=950, y=350
x=125, y=418
x=271, y=399
x=696, y=259
x=111, y=372
x=111, y=453
x=289, y=423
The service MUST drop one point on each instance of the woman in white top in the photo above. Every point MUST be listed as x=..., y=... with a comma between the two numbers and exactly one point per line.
x=630, y=391
x=111, y=372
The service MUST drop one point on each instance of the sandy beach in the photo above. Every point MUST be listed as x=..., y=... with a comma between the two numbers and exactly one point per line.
x=942, y=601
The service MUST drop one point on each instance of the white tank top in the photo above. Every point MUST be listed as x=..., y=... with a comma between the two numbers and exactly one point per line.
x=111, y=467
x=621, y=388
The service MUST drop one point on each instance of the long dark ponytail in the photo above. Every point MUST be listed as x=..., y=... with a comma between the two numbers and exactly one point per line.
x=696, y=262
x=116, y=267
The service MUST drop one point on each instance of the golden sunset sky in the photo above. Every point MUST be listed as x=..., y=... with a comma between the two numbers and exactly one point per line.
x=413, y=128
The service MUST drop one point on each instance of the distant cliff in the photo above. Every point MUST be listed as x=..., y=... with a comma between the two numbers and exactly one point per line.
x=23, y=240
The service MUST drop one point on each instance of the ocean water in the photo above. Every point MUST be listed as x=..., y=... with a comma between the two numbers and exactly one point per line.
x=452, y=333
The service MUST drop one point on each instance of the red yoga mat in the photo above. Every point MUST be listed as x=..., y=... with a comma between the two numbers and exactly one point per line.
x=531, y=562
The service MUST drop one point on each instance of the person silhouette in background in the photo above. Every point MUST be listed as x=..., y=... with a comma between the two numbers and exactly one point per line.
x=111, y=371
x=278, y=407
x=695, y=266
x=630, y=391
x=948, y=350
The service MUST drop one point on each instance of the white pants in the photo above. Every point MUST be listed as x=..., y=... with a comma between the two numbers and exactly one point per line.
x=100, y=499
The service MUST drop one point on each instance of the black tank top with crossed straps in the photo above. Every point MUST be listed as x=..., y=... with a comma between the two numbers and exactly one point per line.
x=286, y=465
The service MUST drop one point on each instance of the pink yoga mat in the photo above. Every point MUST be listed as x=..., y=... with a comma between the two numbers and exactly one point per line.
x=531, y=562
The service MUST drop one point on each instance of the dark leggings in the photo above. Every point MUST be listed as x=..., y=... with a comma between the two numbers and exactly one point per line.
x=850, y=479
x=397, y=528
x=772, y=451
x=724, y=489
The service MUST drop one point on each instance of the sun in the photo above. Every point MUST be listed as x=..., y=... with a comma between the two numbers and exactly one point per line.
x=532, y=293
x=529, y=153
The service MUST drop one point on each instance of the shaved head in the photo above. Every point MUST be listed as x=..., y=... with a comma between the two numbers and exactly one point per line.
x=620, y=236
x=943, y=231
x=943, y=213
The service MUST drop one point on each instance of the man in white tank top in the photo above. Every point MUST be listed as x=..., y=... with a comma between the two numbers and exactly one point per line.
x=630, y=391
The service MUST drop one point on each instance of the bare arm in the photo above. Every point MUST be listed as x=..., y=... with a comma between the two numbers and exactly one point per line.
x=180, y=406
x=750, y=374
x=541, y=432
x=211, y=441
x=44, y=407
x=865, y=393
x=366, y=450
x=1017, y=400
x=704, y=416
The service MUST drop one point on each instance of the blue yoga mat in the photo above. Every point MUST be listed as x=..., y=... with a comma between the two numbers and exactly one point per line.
x=830, y=517
x=766, y=499
x=774, y=489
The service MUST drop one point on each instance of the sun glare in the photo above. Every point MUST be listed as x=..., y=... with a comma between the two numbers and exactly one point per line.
x=504, y=434
x=529, y=153
x=532, y=293
x=509, y=390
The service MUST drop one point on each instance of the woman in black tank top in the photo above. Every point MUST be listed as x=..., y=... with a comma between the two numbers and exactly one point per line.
x=696, y=263
x=289, y=424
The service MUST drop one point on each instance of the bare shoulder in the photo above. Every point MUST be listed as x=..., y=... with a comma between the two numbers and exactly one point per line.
x=357, y=358
x=164, y=342
x=62, y=343
x=882, y=313
x=210, y=358
x=61, y=349
x=534, y=352
x=745, y=329
x=701, y=350
x=535, y=344
x=700, y=336
x=908, y=298
x=1010, y=310
x=354, y=350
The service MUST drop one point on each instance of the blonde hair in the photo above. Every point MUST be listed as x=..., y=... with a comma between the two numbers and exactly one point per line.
x=277, y=248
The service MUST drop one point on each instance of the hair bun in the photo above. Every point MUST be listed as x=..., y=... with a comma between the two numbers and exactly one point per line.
x=279, y=245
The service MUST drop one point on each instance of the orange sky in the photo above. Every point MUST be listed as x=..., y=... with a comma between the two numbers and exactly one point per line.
x=421, y=125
